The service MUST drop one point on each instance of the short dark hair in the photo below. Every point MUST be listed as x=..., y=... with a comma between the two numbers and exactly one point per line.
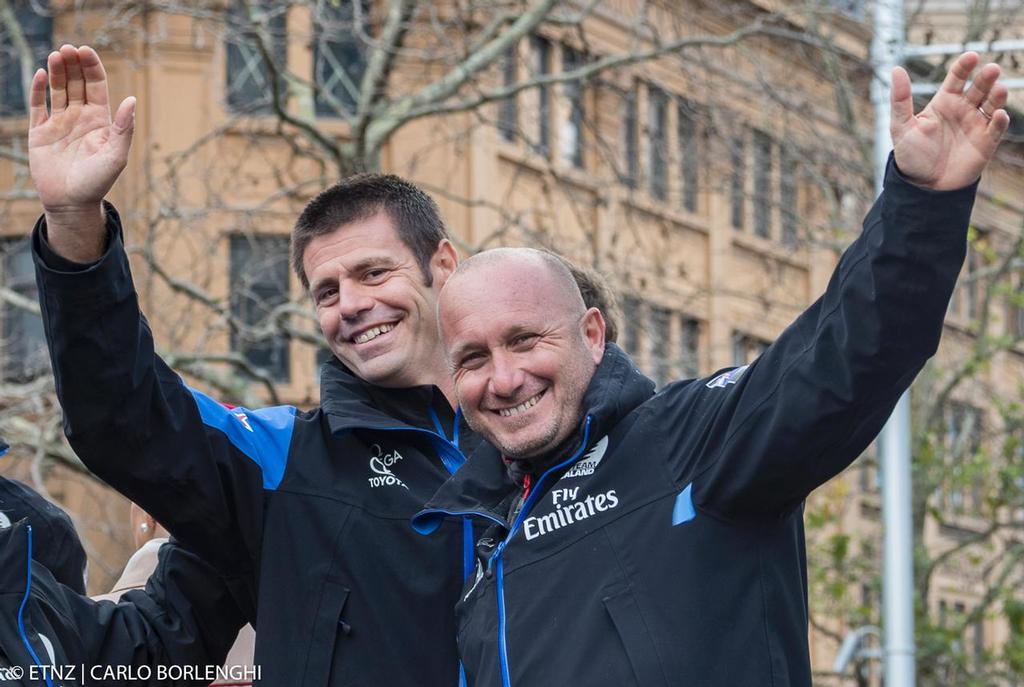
x=414, y=214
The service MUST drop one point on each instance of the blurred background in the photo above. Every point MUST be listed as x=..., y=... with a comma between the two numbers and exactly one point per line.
x=711, y=159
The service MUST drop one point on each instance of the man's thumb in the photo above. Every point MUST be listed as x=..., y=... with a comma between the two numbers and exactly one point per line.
x=122, y=128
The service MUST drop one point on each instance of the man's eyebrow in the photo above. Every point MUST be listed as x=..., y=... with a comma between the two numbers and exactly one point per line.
x=371, y=261
x=322, y=282
x=461, y=349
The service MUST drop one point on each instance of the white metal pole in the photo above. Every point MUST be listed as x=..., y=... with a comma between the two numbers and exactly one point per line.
x=894, y=441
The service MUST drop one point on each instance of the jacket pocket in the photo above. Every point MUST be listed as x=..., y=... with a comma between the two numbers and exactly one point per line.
x=636, y=639
x=327, y=624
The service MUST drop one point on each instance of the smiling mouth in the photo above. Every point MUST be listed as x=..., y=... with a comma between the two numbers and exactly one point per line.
x=373, y=333
x=522, y=407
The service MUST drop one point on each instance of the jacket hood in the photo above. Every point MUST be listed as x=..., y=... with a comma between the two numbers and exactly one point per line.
x=480, y=485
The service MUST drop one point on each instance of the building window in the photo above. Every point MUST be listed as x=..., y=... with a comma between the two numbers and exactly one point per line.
x=689, y=154
x=36, y=27
x=963, y=440
x=631, y=309
x=966, y=299
x=339, y=55
x=541, y=49
x=657, y=169
x=508, y=109
x=630, y=152
x=659, y=330
x=788, y=200
x=665, y=343
x=259, y=286
x=746, y=348
x=570, y=134
x=762, y=185
x=248, y=74
x=737, y=190
x=23, y=345
x=689, y=347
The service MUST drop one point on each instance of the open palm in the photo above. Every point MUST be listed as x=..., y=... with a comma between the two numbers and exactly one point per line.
x=76, y=151
x=949, y=143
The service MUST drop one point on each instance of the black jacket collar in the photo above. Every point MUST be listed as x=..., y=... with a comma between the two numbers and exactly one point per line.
x=482, y=484
x=350, y=403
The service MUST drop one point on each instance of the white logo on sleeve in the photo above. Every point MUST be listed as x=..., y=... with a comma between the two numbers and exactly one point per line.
x=381, y=464
x=726, y=378
x=243, y=419
x=588, y=463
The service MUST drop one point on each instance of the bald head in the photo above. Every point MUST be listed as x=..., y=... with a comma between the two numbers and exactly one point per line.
x=522, y=346
x=514, y=267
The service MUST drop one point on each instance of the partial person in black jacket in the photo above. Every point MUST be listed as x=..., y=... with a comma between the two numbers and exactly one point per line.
x=305, y=513
x=642, y=538
x=59, y=549
x=52, y=635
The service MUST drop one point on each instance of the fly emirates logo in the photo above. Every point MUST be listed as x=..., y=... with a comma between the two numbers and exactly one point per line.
x=569, y=508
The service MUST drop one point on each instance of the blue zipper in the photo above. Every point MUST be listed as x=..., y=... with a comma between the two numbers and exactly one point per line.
x=21, y=613
x=452, y=463
x=496, y=560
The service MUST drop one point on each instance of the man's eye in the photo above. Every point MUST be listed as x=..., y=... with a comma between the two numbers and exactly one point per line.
x=471, y=361
x=325, y=295
x=375, y=275
x=524, y=340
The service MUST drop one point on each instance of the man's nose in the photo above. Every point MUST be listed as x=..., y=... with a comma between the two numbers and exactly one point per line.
x=506, y=376
x=353, y=300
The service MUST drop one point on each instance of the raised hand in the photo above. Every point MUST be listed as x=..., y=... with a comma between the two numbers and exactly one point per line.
x=75, y=151
x=949, y=143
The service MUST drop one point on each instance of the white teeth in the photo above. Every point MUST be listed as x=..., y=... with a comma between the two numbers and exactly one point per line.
x=522, y=407
x=371, y=334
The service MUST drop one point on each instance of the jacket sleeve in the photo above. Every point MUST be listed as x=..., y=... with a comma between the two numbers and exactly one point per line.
x=197, y=467
x=184, y=617
x=814, y=400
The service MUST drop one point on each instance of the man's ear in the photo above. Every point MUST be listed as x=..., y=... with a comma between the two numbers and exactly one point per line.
x=593, y=334
x=443, y=262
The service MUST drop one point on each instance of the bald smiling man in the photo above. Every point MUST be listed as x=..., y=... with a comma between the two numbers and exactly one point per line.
x=653, y=539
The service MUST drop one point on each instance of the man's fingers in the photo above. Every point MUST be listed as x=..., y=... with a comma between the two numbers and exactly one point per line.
x=37, y=99
x=58, y=82
x=982, y=84
x=76, y=85
x=95, y=76
x=998, y=125
x=121, y=129
x=958, y=74
x=996, y=99
x=901, y=102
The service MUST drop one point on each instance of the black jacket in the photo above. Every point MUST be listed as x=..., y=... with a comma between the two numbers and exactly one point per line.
x=305, y=513
x=52, y=635
x=58, y=549
x=668, y=548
